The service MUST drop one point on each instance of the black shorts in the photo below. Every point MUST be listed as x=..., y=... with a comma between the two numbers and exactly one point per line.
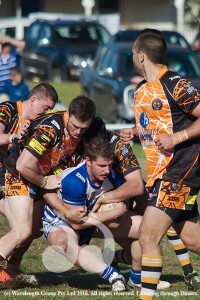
x=179, y=202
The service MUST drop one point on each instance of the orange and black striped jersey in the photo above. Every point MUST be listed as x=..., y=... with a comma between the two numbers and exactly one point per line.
x=165, y=106
x=11, y=118
x=125, y=160
x=49, y=141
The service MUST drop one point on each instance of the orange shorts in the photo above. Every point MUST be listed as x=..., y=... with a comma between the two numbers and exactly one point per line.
x=176, y=200
x=19, y=187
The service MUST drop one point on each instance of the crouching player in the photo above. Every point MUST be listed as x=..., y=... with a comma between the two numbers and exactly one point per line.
x=81, y=186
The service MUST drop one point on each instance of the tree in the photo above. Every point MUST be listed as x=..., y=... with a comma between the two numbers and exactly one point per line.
x=192, y=13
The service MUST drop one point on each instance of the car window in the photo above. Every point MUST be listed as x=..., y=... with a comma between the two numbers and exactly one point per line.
x=74, y=33
x=102, y=35
x=184, y=64
x=176, y=39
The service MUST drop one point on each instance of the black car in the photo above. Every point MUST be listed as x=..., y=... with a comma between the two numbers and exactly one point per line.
x=57, y=50
x=111, y=80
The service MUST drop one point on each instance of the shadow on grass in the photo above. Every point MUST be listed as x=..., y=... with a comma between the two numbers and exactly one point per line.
x=80, y=279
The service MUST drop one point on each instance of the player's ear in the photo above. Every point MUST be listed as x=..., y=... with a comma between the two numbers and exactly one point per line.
x=33, y=99
x=87, y=161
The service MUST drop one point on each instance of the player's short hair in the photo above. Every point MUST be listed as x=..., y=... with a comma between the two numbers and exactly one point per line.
x=99, y=147
x=97, y=129
x=82, y=108
x=152, y=42
x=44, y=90
x=15, y=71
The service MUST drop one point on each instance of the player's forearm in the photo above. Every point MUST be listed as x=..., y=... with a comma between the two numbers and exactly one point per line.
x=94, y=219
x=125, y=192
x=52, y=199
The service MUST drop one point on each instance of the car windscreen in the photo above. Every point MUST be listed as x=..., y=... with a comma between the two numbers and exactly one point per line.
x=186, y=64
x=75, y=33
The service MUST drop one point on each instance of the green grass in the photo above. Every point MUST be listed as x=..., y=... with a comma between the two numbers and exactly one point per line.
x=66, y=90
x=77, y=284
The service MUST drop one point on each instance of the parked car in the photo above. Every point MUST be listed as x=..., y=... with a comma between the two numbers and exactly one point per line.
x=172, y=37
x=109, y=82
x=59, y=49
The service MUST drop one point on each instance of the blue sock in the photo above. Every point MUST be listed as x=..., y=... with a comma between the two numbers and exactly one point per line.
x=108, y=272
x=135, y=276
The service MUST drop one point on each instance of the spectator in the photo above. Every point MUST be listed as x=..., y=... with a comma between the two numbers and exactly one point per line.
x=16, y=88
x=9, y=57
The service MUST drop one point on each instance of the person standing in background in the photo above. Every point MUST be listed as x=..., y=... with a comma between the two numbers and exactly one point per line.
x=9, y=57
x=16, y=88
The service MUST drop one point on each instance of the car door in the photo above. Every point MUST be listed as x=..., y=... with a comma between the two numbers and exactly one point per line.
x=102, y=88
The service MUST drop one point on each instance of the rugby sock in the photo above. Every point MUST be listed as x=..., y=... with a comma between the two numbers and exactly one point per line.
x=181, y=252
x=151, y=272
x=14, y=260
x=108, y=272
x=135, y=276
x=120, y=257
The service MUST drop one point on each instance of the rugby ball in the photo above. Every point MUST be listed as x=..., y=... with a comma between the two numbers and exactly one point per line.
x=107, y=206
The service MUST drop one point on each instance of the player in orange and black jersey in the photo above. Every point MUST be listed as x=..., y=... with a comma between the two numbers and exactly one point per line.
x=50, y=137
x=167, y=112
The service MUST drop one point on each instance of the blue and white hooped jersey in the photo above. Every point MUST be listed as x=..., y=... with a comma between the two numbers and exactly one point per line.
x=78, y=190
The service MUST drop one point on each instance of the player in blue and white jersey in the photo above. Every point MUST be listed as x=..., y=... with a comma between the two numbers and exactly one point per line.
x=81, y=187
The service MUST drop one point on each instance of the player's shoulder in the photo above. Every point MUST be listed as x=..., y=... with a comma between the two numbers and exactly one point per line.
x=140, y=84
x=75, y=174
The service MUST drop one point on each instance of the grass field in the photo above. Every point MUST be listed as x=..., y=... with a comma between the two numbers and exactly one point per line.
x=77, y=284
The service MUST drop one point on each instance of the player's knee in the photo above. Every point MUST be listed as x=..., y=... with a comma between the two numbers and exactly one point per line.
x=148, y=240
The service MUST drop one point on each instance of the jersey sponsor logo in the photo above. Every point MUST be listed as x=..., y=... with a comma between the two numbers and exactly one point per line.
x=144, y=120
x=190, y=88
x=14, y=187
x=174, y=77
x=157, y=104
x=55, y=123
x=114, y=137
x=45, y=138
x=39, y=148
x=172, y=198
x=124, y=150
x=176, y=187
x=80, y=177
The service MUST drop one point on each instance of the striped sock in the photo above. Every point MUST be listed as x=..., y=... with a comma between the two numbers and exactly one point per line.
x=151, y=272
x=135, y=276
x=181, y=252
x=108, y=273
